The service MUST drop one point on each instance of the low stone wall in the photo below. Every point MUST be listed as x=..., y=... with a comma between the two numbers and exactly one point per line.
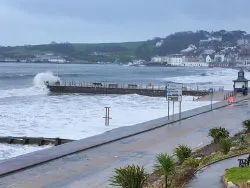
x=229, y=184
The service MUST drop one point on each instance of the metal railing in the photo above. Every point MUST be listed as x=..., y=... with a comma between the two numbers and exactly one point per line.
x=186, y=87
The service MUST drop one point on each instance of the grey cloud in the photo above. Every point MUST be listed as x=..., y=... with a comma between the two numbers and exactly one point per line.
x=123, y=10
x=41, y=21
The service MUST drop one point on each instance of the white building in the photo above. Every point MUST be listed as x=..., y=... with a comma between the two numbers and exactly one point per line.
x=219, y=58
x=241, y=42
x=219, y=39
x=195, y=64
x=208, y=59
x=156, y=59
x=247, y=64
x=189, y=48
x=159, y=43
x=160, y=59
x=49, y=57
x=57, y=60
x=176, y=60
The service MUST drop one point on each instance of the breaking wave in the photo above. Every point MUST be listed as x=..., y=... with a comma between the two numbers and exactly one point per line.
x=38, y=88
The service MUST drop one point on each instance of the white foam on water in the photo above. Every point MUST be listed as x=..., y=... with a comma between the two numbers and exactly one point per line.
x=10, y=151
x=81, y=116
x=210, y=77
x=38, y=88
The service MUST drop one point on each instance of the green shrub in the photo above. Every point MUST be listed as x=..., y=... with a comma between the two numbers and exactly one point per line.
x=192, y=162
x=215, y=157
x=246, y=125
x=242, y=147
x=242, y=140
x=205, y=160
x=165, y=165
x=218, y=134
x=183, y=152
x=131, y=176
x=225, y=146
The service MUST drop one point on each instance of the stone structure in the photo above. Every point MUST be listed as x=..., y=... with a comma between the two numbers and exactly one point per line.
x=241, y=82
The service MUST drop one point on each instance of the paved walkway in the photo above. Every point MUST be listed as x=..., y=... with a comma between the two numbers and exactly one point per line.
x=93, y=167
x=217, y=96
x=211, y=176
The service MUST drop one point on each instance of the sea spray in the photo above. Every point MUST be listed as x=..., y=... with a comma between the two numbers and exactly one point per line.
x=41, y=78
x=38, y=88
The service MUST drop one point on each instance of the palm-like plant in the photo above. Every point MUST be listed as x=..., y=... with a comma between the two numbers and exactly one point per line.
x=165, y=165
x=218, y=134
x=183, y=152
x=246, y=125
x=131, y=176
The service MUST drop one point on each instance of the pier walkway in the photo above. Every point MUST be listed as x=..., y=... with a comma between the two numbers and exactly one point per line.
x=146, y=90
x=92, y=160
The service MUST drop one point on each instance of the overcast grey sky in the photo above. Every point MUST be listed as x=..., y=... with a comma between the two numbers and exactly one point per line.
x=88, y=21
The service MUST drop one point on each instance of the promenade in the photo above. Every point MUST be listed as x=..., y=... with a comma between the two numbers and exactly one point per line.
x=213, y=174
x=93, y=166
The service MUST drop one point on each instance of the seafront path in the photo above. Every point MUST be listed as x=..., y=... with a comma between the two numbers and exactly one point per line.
x=212, y=175
x=93, y=166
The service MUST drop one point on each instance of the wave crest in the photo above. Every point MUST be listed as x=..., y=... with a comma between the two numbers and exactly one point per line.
x=38, y=88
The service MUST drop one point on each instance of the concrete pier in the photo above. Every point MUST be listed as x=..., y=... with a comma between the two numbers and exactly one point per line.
x=90, y=162
x=156, y=91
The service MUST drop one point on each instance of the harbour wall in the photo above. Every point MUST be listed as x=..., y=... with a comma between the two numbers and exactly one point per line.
x=120, y=91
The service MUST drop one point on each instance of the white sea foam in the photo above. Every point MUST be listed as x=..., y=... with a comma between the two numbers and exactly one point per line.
x=10, y=151
x=41, y=78
x=38, y=88
x=211, y=77
x=81, y=116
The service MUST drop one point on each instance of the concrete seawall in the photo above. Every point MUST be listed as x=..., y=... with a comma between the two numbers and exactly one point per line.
x=120, y=91
x=39, y=157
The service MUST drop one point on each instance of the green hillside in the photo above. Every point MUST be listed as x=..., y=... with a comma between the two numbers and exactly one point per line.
x=128, y=51
x=88, y=52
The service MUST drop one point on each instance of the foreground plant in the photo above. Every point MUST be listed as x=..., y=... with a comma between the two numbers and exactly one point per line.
x=183, y=152
x=225, y=146
x=192, y=162
x=165, y=165
x=242, y=140
x=246, y=125
x=131, y=176
x=218, y=134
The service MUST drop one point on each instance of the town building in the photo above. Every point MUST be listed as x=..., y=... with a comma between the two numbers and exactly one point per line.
x=176, y=60
x=219, y=58
x=160, y=59
x=48, y=57
x=208, y=59
x=242, y=42
x=195, y=64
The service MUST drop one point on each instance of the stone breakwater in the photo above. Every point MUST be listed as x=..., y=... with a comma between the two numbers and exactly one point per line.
x=152, y=92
